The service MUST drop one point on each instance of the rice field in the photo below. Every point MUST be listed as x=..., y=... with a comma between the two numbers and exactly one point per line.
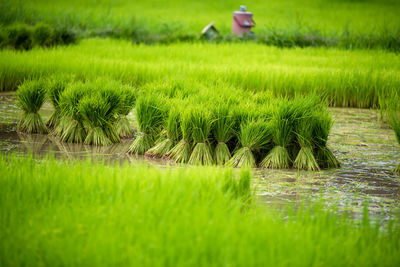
x=359, y=78
x=128, y=139
x=286, y=23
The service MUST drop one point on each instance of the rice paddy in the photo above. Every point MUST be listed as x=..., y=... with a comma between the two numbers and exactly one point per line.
x=285, y=23
x=127, y=138
x=360, y=78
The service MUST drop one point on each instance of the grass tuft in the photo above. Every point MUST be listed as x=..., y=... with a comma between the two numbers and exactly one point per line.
x=150, y=115
x=169, y=137
x=128, y=100
x=253, y=136
x=201, y=122
x=55, y=86
x=31, y=96
x=223, y=131
x=72, y=129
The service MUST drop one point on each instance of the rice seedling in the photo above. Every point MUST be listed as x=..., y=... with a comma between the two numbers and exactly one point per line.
x=223, y=131
x=321, y=128
x=71, y=128
x=122, y=125
x=150, y=114
x=305, y=159
x=31, y=96
x=55, y=86
x=200, y=121
x=394, y=119
x=171, y=137
x=283, y=133
x=254, y=135
x=99, y=113
x=182, y=151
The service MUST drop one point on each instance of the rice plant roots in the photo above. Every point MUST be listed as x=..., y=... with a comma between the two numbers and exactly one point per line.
x=277, y=158
x=305, y=160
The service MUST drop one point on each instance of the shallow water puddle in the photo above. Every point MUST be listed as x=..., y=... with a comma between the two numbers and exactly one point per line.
x=367, y=151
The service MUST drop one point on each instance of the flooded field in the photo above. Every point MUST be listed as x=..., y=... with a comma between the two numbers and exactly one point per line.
x=366, y=149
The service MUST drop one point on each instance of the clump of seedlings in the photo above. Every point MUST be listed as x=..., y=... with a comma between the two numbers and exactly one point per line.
x=254, y=135
x=321, y=128
x=223, y=131
x=305, y=159
x=31, y=96
x=181, y=152
x=170, y=136
x=55, y=86
x=122, y=125
x=99, y=113
x=150, y=115
x=201, y=122
x=283, y=125
x=394, y=119
x=71, y=129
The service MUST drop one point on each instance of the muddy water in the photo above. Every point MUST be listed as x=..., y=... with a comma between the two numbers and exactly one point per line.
x=366, y=149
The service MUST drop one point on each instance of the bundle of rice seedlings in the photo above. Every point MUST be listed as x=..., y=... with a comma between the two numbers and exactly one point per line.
x=305, y=159
x=71, y=128
x=112, y=97
x=394, y=118
x=320, y=131
x=182, y=151
x=253, y=136
x=55, y=86
x=98, y=112
x=31, y=96
x=171, y=136
x=283, y=124
x=150, y=115
x=201, y=123
x=122, y=125
x=223, y=131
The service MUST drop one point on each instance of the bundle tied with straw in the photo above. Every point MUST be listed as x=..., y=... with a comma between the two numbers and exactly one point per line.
x=71, y=128
x=128, y=99
x=31, y=96
x=254, y=135
x=305, y=159
x=283, y=124
x=321, y=128
x=223, y=131
x=99, y=112
x=394, y=119
x=171, y=135
x=201, y=123
x=55, y=86
x=182, y=151
x=150, y=115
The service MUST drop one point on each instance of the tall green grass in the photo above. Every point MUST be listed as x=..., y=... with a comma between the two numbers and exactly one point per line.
x=58, y=213
x=345, y=78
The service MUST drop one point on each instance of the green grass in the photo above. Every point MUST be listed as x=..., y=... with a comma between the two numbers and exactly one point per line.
x=57, y=213
x=346, y=23
x=346, y=78
x=150, y=113
x=31, y=96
